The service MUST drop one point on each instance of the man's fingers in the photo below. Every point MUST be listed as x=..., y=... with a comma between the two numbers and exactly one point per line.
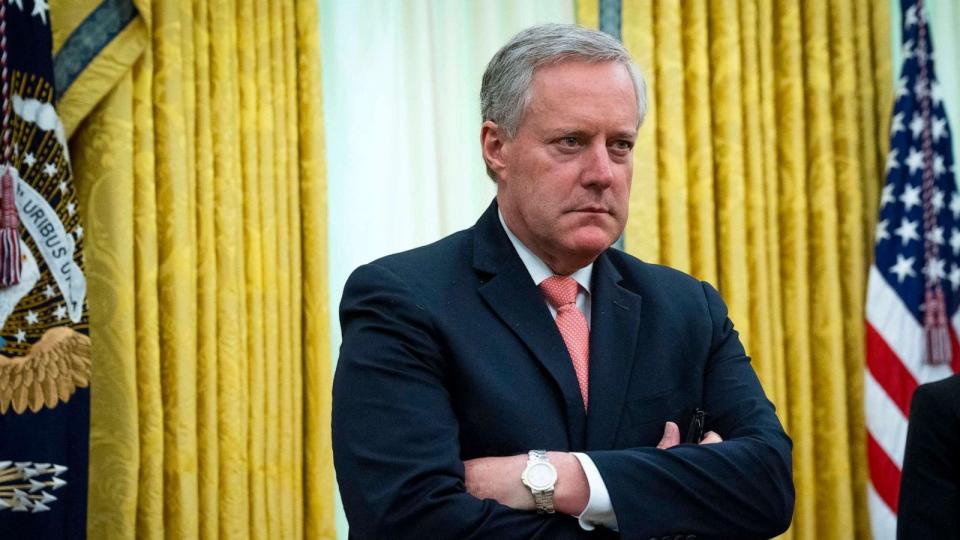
x=710, y=438
x=671, y=436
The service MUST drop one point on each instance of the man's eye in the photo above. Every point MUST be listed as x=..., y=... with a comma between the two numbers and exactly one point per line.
x=569, y=141
x=622, y=146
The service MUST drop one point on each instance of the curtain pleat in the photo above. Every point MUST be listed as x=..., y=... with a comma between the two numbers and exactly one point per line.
x=757, y=170
x=697, y=128
x=227, y=192
x=791, y=172
x=254, y=280
x=202, y=173
x=207, y=344
x=851, y=207
x=315, y=372
x=177, y=278
x=757, y=240
x=671, y=148
x=726, y=62
x=643, y=227
x=149, y=523
x=774, y=363
x=114, y=453
x=829, y=376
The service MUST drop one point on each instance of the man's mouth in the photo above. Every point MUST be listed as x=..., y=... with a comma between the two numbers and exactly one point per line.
x=592, y=209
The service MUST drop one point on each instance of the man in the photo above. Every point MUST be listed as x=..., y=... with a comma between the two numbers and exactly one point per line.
x=930, y=486
x=514, y=377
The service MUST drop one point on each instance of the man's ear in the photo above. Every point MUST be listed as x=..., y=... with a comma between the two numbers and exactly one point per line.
x=491, y=145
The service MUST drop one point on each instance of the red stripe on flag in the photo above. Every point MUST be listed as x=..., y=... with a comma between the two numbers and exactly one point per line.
x=954, y=350
x=889, y=371
x=884, y=474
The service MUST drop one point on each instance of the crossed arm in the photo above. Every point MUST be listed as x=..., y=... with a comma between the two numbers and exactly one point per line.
x=498, y=478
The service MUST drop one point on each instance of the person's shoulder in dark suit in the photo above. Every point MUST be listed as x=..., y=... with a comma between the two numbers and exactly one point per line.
x=929, y=505
x=652, y=280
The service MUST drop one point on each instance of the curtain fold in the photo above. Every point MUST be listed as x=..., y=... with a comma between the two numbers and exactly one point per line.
x=758, y=170
x=643, y=226
x=114, y=453
x=312, y=444
x=201, y=175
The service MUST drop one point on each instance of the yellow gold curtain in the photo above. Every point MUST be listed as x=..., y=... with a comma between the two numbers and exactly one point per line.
x=201, y=174
x=758, y=170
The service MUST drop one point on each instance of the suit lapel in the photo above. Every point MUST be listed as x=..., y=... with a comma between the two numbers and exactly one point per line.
x=614, y=327
x=510, y=292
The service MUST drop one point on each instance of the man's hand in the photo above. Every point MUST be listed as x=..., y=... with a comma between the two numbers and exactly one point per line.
x=498, y=478
x=671, y=437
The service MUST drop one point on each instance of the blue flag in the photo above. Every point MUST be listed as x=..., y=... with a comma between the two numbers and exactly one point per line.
x=44, y=343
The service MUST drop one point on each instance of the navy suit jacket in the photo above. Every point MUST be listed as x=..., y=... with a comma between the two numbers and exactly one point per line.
x=450, y=353
x=930, y=484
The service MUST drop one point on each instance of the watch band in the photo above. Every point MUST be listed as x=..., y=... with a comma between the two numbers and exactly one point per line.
x=537, y=456
x=544, y=501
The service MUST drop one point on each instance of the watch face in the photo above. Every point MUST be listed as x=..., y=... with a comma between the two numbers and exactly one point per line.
x=541, y=476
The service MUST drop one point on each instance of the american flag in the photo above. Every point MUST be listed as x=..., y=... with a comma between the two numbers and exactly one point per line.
x=913, y=290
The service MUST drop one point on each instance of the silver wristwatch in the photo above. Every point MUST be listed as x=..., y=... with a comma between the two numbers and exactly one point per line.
x=540, y=476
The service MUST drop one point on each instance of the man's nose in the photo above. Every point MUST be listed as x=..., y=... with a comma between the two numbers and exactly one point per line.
x=598, y=171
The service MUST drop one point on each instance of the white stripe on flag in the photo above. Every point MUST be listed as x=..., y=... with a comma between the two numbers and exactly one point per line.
x=900, y=329
x=885, y=421
x=883, y=522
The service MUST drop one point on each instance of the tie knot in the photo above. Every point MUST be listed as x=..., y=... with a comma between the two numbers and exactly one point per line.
x=559, y=290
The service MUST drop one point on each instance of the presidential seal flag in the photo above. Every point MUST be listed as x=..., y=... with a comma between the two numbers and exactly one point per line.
x=44, y=343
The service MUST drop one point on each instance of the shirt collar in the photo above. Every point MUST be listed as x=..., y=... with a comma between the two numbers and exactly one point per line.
x=538, y=269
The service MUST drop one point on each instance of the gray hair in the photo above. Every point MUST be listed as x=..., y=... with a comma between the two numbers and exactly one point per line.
x=506, y=88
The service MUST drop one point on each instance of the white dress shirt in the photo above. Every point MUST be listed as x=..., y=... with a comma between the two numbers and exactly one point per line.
x=599, y=509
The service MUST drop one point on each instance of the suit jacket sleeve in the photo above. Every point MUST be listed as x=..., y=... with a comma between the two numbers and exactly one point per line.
x=740, y=488
x=930, y=485
x=395, y=434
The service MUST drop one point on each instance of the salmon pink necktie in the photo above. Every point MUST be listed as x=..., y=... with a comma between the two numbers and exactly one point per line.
x=561, y=292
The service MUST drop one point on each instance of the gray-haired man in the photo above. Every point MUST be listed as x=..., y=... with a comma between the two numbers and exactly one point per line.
x=521, y=379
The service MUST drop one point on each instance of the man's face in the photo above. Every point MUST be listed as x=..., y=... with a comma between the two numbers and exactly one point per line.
x=563, y=181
